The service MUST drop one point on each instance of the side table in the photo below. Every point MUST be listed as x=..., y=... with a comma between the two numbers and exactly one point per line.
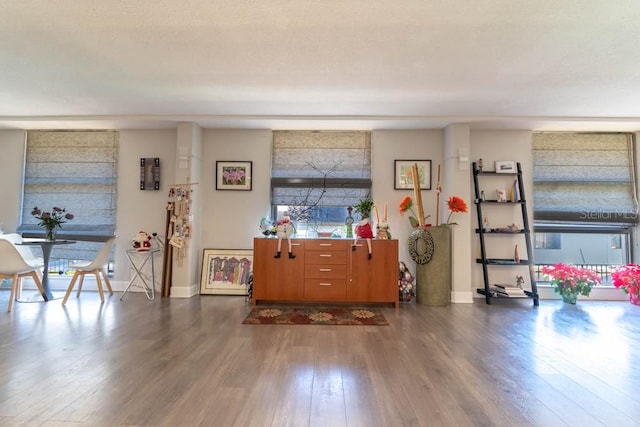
x=138, y=260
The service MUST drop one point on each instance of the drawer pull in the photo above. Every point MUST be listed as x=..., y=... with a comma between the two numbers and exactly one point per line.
x=326, y=244
x=295, y=244
x=325, y=284
x=325, y=269
x=325, y=255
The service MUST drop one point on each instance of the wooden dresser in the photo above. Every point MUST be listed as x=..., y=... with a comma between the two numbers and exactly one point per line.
x=325, y=270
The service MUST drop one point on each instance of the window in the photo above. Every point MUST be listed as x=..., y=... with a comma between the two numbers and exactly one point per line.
x=75, y=170
x=585, y=203
x=584, y=178
x=316, y=175
x=547, y=241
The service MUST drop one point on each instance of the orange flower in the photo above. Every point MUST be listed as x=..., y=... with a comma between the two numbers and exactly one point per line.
x=406, y=204
x=456, y=204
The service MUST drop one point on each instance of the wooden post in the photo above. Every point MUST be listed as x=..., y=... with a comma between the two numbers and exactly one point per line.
x=438, y=191
x=418, y=194
x=167, y=271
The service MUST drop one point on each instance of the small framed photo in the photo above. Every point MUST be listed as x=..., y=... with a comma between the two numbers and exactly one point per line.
x=233, y=175
x=404, y=177
x=507, y=166
x=226, y=271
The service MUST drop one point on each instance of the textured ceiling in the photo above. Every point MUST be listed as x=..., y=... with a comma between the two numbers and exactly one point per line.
x=338, y=64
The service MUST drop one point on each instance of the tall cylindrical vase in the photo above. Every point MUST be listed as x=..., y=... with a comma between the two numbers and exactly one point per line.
x=50, y=234
x=433, y=279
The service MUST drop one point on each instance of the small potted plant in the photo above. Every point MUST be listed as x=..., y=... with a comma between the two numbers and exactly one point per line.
x=569, y=281
x=627, y=278
x=364, y=206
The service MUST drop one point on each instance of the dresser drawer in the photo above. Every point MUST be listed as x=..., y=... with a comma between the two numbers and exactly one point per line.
x=325, y=257
x=325, y=245
x=325, y=271
x=325, y=290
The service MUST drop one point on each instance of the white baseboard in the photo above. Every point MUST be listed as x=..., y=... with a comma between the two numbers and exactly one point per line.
x=465, y=297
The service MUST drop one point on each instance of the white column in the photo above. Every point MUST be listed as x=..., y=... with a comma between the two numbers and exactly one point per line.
x=456, y=181
x=186, y=275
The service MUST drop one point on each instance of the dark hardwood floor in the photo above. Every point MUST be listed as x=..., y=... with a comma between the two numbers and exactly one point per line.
x=192, y=362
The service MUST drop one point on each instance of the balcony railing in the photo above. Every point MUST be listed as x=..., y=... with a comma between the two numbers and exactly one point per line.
x=602, y=270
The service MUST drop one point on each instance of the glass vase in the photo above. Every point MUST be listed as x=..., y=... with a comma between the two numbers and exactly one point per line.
x=50, y=234
x=634, y=299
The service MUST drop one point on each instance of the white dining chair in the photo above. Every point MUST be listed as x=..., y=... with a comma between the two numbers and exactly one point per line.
x=96, y=267
x=14, y=267
x=29, y=257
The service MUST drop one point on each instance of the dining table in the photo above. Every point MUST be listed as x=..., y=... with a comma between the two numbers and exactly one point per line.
x=47, y=247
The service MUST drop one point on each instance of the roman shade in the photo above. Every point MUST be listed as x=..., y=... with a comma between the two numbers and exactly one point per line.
x=75, y=170
x=584, y=178
x=324, y=168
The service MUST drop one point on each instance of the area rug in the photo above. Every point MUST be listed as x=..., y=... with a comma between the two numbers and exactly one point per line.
x=284, y=315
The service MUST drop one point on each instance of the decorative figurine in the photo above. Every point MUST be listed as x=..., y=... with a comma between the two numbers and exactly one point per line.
x=142, y=241
x=382, y=228
x=382, y=231
x=349, y=223
x=284, y=230
x=406, y=286
x=267, y=228
x=364, y=231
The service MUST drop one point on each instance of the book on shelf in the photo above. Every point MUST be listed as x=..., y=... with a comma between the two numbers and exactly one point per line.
x=506, y=290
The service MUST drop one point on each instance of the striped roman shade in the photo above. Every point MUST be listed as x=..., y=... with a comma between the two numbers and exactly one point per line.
x=332, y=168
x=580, y=177
x=75, y=170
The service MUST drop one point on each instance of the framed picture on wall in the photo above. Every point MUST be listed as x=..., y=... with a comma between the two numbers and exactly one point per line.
x=404, y=177
x=226, y=271
x=232, y=175
x=150, y=173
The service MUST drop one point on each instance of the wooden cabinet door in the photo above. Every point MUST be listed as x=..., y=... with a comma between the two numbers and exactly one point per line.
x=277, y=279
x=375, y=279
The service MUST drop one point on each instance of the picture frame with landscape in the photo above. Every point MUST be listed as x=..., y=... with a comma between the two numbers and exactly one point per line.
x=403, y=179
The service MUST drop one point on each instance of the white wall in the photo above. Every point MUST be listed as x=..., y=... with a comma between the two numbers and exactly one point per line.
x=390, y=145
x=230, y=219
x=141, y=209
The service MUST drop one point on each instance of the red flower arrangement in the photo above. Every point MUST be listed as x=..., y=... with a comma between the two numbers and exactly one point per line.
x=627, y=278
x=456, y=204
x=569, y=281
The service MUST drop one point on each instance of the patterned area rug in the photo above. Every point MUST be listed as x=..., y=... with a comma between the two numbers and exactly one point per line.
x=283, y=315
